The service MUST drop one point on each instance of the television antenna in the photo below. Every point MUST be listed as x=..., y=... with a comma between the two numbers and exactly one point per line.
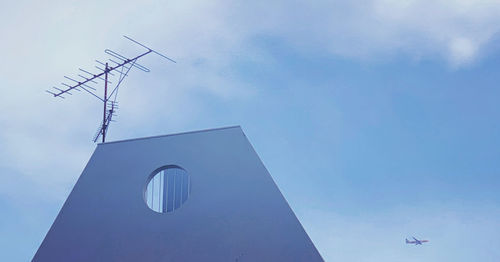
x=118, y=64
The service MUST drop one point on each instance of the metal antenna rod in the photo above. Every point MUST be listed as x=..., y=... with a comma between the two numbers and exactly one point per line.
x=105, y=104
x=122, y=63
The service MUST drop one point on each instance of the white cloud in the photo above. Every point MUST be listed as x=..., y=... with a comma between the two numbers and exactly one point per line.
x=454, y=31
x=42, y=41
x=462, y=50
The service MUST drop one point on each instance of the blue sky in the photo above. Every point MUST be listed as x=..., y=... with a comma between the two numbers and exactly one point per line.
x=377, y=119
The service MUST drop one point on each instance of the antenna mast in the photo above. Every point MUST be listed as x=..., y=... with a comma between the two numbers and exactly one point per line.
x=122, y=66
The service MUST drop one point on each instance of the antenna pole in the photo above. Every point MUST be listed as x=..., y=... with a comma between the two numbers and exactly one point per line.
x=121, y=65
x=105, y=103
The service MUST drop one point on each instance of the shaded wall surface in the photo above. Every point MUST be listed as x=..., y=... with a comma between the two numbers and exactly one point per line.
x=234, y=212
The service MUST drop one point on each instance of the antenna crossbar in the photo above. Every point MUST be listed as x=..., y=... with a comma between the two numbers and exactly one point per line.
x=106, y=70
x=122, y=67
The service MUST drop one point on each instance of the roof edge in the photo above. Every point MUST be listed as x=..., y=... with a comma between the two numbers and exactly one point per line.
x=174, y=134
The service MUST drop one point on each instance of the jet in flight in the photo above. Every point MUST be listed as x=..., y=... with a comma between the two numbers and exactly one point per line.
x=416, y=242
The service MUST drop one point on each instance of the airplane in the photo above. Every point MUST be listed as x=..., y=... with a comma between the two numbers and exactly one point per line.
x=416, y=242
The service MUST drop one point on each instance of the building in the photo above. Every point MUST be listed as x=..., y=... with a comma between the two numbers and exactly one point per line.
x=196, y=196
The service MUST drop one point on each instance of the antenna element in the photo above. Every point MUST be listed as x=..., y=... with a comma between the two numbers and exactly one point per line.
x=121, y=66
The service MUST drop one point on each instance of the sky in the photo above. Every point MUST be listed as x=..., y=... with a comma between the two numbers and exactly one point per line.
x=377, y=119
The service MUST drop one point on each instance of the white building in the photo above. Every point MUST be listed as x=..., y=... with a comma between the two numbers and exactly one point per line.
x=197, y=196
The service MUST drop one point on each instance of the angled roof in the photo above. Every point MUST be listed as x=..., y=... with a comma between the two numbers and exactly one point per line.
x=235, y=211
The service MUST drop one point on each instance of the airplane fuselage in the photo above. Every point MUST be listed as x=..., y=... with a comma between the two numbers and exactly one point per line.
x=416, y=241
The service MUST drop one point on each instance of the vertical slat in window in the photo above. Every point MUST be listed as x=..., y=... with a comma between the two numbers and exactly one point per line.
x=167, y=190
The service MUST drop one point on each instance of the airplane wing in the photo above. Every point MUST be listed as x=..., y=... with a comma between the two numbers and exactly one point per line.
x=416, y=242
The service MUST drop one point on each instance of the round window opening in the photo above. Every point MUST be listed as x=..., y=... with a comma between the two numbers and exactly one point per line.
x=168, y=188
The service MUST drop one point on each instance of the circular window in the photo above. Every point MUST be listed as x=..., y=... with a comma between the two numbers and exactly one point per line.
x=168, y=188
